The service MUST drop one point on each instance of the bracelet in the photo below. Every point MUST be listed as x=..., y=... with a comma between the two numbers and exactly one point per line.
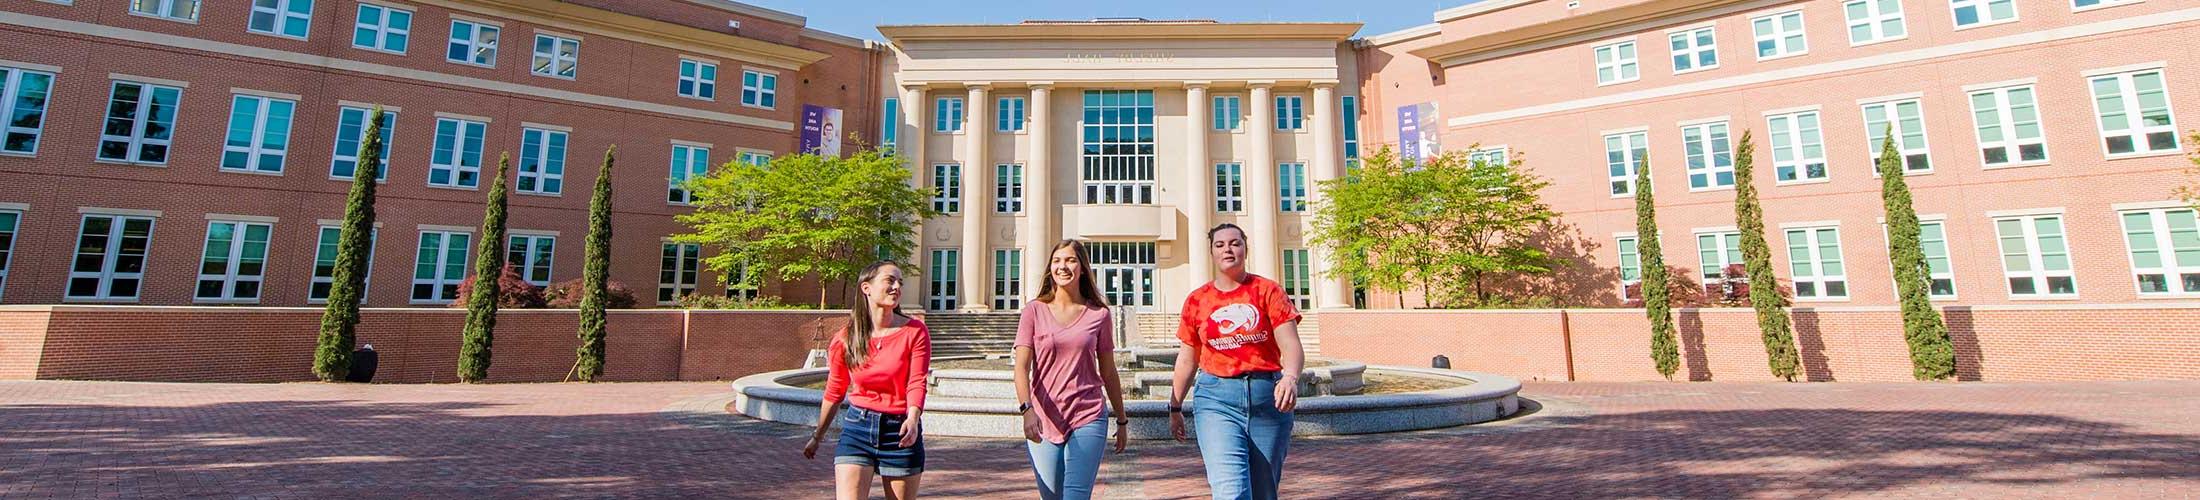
x=1176, y=408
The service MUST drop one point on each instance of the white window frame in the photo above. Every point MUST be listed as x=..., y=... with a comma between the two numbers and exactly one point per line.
x=2005, y=119
x=764, y=94
x=2103, y=4
x=942, y=291
x=2036, y=258
x=1291, y=113
x=752, y=158
x=1008, y=279
x=137, y=139
x=1008, y=188
x=1009, y=115
x=1229, y=110
x=1727, y=246
x=1818, y=262
x=1799, y=163
x=458, y=167
x=111, y=253
x=572, y=57
x=232, y=274
x=13, y=231
x=889, y=130
x=12, y=84
x=166, y=9
x=1291, y=187
x=947, y=186
x=1780, y=36
x=697, y=161
x=2128, y=93
x=1711, y=138
x=699, y=78
x=483, y=40
x=947, y=115
x=441, y=266
x=1632, y=146
x=1875, y=21
x=549, y=154
x=687, y=263
x=1892, y=110
x=1947, y=254
x=1985, y=10
x=366, y=282
x=280, y=11
x=1692, y=52
x=382, y=31
x=1494, y=154
x=2171, y=269
x=1620, y=245
x=262, y=129
x=1298, y=277
x=528, y=246
x=340, y=153
x=1624, y=56
x=1230, y=187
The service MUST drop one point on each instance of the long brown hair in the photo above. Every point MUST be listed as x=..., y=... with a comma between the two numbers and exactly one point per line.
x=860, y=322
x=1086, y=288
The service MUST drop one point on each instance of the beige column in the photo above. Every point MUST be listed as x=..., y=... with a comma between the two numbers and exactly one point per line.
x=977, y=208
x=1264, y=255
x=910, y=144
x=1199, y=199
x=1039, y=210
x=1328, y=165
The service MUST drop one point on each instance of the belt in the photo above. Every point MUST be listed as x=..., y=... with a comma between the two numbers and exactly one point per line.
x=1265, y=375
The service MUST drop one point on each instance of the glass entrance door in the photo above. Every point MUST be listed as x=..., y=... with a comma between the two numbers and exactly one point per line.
x=1125, y=271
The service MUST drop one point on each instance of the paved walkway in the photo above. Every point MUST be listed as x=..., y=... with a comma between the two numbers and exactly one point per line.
x=2001, y=441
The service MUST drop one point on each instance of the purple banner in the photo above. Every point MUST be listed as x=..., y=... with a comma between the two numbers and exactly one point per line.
x=1418, y=128
x=821, y=130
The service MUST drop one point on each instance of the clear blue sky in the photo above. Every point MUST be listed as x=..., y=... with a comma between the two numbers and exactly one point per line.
x=860, y=18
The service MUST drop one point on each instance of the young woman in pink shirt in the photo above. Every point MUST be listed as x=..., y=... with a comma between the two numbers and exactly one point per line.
x=1065, y=366
x=878, y=365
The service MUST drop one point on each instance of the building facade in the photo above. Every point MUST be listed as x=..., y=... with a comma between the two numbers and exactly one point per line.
x=175, y=152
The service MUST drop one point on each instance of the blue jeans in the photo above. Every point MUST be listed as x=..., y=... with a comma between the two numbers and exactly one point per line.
x=1068, y=470
x=1242, y=437
x=872, y=439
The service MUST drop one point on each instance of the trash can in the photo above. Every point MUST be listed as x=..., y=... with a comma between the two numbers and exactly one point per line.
x=362, y=365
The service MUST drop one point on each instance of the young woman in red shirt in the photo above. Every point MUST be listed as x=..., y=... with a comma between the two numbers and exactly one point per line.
x=1065, y=377
x=879, y=364
x=1241, y=333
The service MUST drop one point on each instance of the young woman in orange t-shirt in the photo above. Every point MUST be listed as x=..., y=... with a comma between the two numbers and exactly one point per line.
x=878, y=364
x=1241, y=333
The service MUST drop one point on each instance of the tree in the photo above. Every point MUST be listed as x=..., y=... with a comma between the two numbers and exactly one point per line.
x=2190, y=192
x=1764, y=294
x=1932, y=356
x=340, y=320
x=481, y=306
x=596, y=276
x=1448, y=225
x=806, y=215
x=1657, y=293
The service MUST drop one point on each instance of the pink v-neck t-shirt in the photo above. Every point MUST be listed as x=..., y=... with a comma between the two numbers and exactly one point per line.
x=1066, y=388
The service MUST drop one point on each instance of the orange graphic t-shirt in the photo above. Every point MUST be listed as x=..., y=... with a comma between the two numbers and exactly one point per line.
x=1234, y=331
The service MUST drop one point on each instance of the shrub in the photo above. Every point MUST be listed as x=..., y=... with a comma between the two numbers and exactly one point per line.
x=567, y=295
x=513, y=291
x=705, y=301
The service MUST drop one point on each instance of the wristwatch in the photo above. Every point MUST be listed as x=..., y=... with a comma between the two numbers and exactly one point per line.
x=1022, y=408
x=1174, y=408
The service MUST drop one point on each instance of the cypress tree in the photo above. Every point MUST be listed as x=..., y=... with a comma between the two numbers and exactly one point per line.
x=1657, y=298
x=481, y=307
x=595, y=273
x=1932, y=356
x=1764, y=286
x=340, y=320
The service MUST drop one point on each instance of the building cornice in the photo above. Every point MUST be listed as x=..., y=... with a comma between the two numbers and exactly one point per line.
x=1404, y=35
x=1477, y=8
x=1465, y=49
x=566, y=16
x=1338, y=32
x=742, y=8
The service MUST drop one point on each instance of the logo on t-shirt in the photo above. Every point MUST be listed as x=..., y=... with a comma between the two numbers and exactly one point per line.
x=1237, y=325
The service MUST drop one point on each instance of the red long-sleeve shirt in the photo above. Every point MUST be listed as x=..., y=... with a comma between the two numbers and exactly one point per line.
x=891, y=379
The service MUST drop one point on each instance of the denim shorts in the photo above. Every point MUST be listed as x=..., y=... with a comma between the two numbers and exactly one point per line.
x=873, y=439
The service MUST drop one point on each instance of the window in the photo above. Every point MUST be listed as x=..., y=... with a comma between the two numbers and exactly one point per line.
x=1970, y=13
x=531, y=255
x=1716, y=253
x=947, y=188
x=1623, y=155
x=889, y=124
x=141, y=119
x=1695, y=50
x=2165, y=250
x=752, y=158
x=8, y=223
x=1008, y=279
x=947, y=115
x=1291, y=186
x=556, y=56
x=439, y=266
x=2133, y=106
x=234, y=262
x=1229, y=113
x=1008, y=114
x=1616, y=63
x=324, y=264
x=1290, y=113
x=288, y=18
x=1630, y=267
x=110, y=257
x=1814, y=257
x=1351, y=120
x=1229, y=187
x=1907, y=118
x=737, y=282
x=181, y=10
x=23, y=105
x=761, y=90
x=259, y=134
x=1118, y=147
x=677, y=276
x=945, y=268
x=2082, y=5
x=473, y=43
x=541, y=161
x=2008, y=122
x=1493, y=156
x=1008, y=188
x=1872, y=21
x=1779, y=35
x=1298, y=282
x=1940, y=272
x=351, y=131
x=687, y=162
x=1798, y=151
x=698, y=79
x=1710, y=155
x=457, y=160
x=2034, y=256
x=382, y=28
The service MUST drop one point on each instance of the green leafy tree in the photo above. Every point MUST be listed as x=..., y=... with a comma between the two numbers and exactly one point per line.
x=1764, y=286
x=1932, y=356
x=596, y=275
x=340, y=320
x=1448, y=225
x=806, y=215
x=1657, y=294
x=481, y=306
